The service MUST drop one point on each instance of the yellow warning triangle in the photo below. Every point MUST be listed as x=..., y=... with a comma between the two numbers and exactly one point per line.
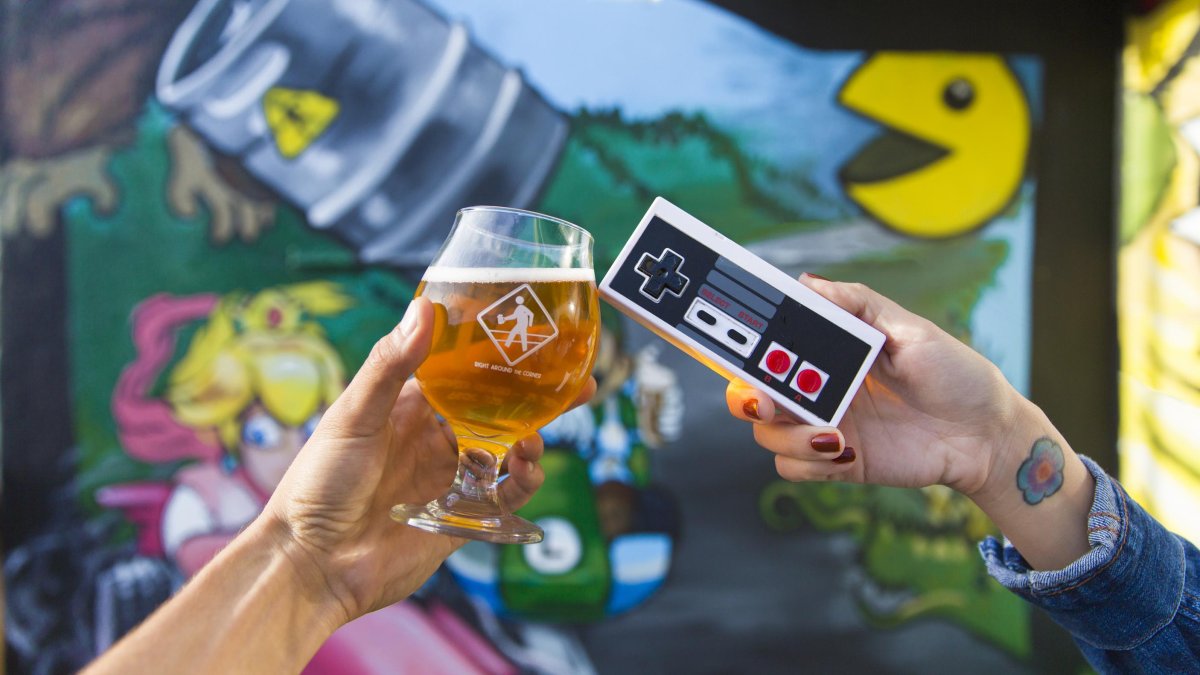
x=297, y=117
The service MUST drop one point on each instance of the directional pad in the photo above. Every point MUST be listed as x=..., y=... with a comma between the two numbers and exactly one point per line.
x=662, y=274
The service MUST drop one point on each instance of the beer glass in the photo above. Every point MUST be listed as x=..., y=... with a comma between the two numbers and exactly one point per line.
x=517, y=320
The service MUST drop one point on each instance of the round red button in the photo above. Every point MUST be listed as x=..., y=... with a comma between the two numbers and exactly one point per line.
x=778, y=362
x=809, y=381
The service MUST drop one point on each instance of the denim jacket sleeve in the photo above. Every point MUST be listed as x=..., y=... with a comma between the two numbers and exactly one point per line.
x=1132, y=603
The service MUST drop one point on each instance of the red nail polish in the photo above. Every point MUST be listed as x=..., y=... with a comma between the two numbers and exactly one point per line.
x=815, y=276
x=846, y=457
x=826, y=443
x=750, y=408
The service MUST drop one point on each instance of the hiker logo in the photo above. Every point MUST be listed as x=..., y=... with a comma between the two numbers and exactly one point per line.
x=510, y=321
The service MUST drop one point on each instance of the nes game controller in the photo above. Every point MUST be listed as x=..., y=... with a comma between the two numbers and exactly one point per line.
x=740, y=316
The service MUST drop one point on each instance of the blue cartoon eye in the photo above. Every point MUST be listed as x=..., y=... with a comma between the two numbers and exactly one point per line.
x=309, y=427
x=261, y=431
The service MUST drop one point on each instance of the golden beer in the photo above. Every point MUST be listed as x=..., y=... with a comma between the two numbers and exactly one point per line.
x=516, y=324
x=512, y=348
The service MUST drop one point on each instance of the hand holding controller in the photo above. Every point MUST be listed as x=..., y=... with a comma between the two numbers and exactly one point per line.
x=936, y=412
x=933, y=411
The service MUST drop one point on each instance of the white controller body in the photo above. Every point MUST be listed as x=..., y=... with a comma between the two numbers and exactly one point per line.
x=740, y=316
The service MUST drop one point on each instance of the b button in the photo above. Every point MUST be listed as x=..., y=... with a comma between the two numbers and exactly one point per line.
x=777, y=361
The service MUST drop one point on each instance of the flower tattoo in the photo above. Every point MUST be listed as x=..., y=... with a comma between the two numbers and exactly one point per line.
x=1042, y=474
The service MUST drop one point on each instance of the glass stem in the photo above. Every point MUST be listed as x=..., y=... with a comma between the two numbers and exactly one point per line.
x=474, y=487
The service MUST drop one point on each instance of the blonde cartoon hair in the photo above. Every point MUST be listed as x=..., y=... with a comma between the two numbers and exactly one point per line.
x=261, y=347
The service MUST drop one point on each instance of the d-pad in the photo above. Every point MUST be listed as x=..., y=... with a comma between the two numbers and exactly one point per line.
x=662, y=274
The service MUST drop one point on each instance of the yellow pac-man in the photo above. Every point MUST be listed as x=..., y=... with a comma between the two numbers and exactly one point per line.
x=297, y=117
x=953, y=154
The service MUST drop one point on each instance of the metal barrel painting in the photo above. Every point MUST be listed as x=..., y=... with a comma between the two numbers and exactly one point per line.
x=376, y=118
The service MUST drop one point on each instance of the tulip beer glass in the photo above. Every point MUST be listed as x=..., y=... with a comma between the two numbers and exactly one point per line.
x=517, y=320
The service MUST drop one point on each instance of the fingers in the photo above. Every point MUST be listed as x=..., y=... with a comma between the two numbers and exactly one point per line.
x=589, y=390
x=748, y=403
x=801, y=470
x=804, y=453
x=41, y=208
x=802, y=441
x=411, y=404
x=104, y=195
x=253, y=217
x=11, y=198
x=97, y=183
x=222, y=219
x=449, y=434
x=366, y=404
x=525, y=474
x=247, y=220
x=264, y=216
x=179, y=194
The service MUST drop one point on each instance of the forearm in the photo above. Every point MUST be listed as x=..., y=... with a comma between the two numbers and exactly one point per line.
x=254, y=608
x=1047, y=523
x=1131, y=601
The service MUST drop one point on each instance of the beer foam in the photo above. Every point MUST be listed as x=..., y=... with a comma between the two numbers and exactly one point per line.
x=496, y=275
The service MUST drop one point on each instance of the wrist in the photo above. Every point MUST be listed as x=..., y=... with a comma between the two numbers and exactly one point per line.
x=256, y=607
x=309, y=578
x=1038, y=492
x=1008, y=445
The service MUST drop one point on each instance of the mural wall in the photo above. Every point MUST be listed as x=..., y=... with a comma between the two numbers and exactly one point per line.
x=244, y=194
x=1159, y=265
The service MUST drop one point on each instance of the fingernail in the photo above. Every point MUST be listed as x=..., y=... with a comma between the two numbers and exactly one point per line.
x=409, y=321
x=815, y=276
x=826, y=443
x=750, y=408
x=846, y=457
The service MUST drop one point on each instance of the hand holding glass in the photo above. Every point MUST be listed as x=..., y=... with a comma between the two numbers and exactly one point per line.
x=517, y=320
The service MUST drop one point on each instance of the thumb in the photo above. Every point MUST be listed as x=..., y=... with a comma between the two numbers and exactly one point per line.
x=365, y=405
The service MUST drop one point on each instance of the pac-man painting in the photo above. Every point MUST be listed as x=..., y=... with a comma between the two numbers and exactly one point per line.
x=952, y=153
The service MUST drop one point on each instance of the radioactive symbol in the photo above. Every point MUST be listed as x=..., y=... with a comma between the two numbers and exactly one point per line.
x=297, y=117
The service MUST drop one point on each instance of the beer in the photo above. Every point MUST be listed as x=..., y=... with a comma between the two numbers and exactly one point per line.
x=512, y=348
x=516, y=323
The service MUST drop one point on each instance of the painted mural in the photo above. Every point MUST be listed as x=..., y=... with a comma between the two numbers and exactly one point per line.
x=1158, y=283
x=245, y=193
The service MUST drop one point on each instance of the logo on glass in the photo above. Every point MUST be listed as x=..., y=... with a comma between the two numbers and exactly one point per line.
x=518, y=324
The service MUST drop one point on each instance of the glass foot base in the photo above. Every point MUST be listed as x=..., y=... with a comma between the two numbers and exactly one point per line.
x=495, y=528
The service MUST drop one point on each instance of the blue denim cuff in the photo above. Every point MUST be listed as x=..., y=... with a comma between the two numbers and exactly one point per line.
x=1117, y=595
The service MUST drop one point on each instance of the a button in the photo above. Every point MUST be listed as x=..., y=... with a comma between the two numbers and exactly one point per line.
x=777, y=361
x=662, y=274
x=809, y=381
